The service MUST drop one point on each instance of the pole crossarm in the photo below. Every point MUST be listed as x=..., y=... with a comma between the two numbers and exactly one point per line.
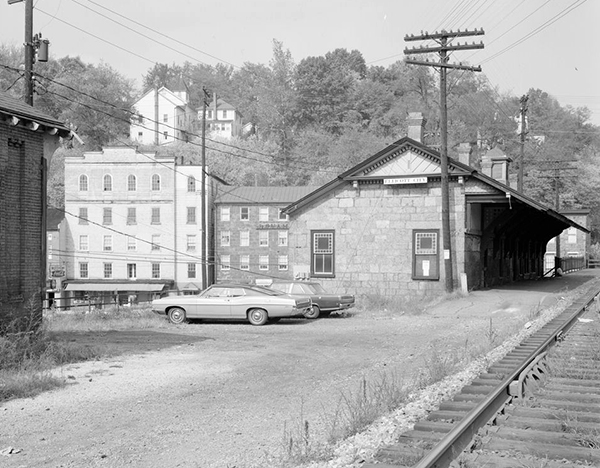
x=447, y=48
x=443, y=34
x=457, y=66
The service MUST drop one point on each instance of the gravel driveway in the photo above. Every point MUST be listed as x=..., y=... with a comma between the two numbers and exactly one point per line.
x=219, y=394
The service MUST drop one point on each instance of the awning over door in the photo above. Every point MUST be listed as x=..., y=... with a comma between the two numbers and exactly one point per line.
x=139, y=287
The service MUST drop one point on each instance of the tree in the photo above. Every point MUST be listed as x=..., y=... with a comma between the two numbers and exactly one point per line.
x=96, y=100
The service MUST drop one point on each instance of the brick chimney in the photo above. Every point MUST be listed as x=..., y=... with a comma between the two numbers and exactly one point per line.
x=416, y=126
x=464, y=153
x=494, y=164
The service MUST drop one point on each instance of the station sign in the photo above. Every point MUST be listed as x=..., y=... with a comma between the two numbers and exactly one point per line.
x=405, y=180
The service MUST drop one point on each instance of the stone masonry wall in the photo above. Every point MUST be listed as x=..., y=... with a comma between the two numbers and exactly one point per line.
x=373, y=237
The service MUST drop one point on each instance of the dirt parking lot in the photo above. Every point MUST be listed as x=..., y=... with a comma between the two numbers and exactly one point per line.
x=219, y=394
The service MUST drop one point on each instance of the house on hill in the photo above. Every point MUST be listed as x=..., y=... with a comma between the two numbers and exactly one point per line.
x=222, y=119
x=162, y=117
x=29, y=138
x=376, y=228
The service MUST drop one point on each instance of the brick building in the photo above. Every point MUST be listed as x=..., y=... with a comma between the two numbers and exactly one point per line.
x=572, y=242
x=251, y=240
x=376, y=228
x=29, y=139
x=134, y=225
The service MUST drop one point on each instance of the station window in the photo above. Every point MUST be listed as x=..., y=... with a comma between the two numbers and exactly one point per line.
x=322, y=253
x=426, y=259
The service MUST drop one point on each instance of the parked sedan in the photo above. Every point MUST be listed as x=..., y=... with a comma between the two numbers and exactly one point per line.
x=233, y=301
x=322, y=300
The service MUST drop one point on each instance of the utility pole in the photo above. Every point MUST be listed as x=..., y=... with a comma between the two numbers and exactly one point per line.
x=203, y=193
x=524, y=100
x=444, y=40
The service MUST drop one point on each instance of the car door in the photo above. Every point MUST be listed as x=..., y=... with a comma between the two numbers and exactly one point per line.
x=238, y=303
x=214, y=303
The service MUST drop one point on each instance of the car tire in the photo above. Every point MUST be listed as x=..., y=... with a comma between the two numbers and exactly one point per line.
x=258, y=316
x=177, y=315
x=314, y=312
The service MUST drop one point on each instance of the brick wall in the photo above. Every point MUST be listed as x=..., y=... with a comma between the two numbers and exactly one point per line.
x=373, y=237
x=21, y=230
x=254, y=251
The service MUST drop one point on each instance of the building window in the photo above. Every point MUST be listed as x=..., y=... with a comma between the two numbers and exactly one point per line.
x=107, y=216
x=191, y=243
x=83, y=243
x=263, y=214
x=155, y=270
x=131, y=243
x=322, y=253
x=131, y=216
x=140, y=118
x=155, y=219
x=131, y=183
x=225, y=238
x=263, y=238
x=283, y=263
x=191, y=215
x=191, y=184
x=165, y=118
x=107, y=183
x=572, y=235
x=225, y=262
x=244, y=262
x=83, y=215
x=244, y=213
x=282, y=216
x=155, y=182
x=244, y=238
x=140, y=135
x=282, y=238
x=166, y=135
x=108, y=270
x=209, y=114
x=83, y=270
x=131, y=271
x=225, y=213
x=107, y=243
x=191, y=270
x=263, y=262
x=83, y=183
x=426, y=254
x=155, y=241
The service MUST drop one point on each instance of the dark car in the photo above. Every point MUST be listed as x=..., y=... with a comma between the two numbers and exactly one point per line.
x=322, y=301
x=233, y=301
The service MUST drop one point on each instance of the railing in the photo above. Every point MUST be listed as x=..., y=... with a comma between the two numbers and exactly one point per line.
x=567, y=265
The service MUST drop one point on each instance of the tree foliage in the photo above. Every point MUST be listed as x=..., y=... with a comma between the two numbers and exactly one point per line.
x=314, y=119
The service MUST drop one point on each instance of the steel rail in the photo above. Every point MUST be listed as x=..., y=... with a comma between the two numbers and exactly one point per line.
x=453, y=443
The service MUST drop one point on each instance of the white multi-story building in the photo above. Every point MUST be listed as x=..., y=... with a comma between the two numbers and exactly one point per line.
x=222, y=119
x=162, y=117
x=134, y=225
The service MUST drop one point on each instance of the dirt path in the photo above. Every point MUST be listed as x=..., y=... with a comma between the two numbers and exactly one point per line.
x=221, y=397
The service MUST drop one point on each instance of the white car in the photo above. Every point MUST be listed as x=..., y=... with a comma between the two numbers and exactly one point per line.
x=233, y=301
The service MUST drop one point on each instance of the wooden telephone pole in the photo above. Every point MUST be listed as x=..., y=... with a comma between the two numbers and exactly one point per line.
x=203, y=193
x=444, y=40
x=523, y=133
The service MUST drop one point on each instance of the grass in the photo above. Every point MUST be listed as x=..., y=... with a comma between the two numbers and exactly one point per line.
x=29, y=353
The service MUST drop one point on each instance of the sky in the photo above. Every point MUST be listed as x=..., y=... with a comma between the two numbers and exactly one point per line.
x=546, y=44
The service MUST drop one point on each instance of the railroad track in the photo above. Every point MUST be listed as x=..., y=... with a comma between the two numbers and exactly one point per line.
x=538, y=407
